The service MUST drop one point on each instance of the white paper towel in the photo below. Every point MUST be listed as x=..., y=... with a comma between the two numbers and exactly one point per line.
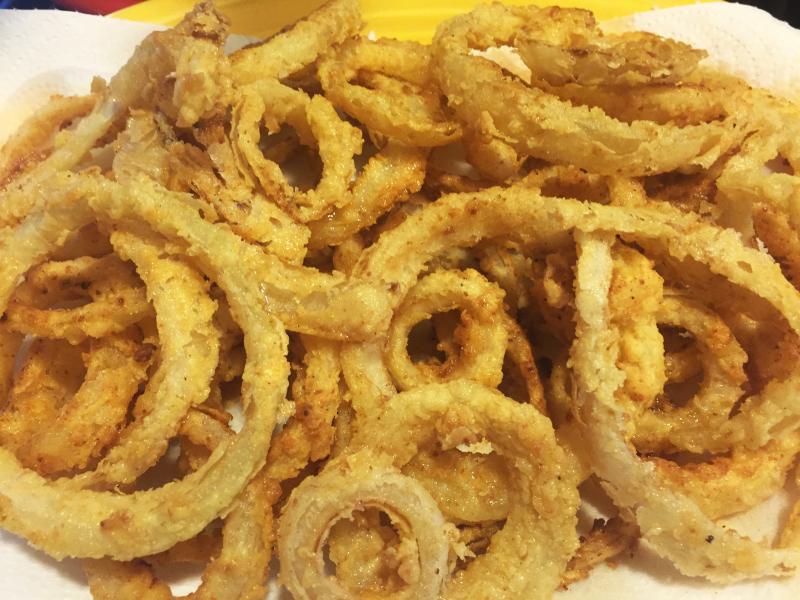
x=48, y=52
x=740, y=39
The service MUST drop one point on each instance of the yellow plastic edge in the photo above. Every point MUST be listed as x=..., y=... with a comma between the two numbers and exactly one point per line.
x=409, y=19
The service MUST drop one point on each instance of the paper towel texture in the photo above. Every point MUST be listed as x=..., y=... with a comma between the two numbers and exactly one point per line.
x=740, y=39
x=50, y=52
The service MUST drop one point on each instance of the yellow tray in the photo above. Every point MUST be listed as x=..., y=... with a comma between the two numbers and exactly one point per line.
x=404, y=19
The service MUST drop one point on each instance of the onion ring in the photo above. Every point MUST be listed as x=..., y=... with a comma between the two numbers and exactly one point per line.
x=97, y=524
x=563, y=45
x=137, y=83
x=727, y=485
x=693, y=426
x=238, y=571
x=304, y=299
x=540, y=529
x=672, y=523
x=483, y=335
x=308, y=436
x=540, y=125
x=349, y=483
x=399, y=100
x=388, y=178
x=189, y=352
x=118, y=299
x=27, y=144
x=50, y=372
x=89, y=421
x=313, y=118
x=10, y=342
x=290, y=51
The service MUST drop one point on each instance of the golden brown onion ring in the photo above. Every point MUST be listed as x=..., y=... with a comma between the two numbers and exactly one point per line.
x=189, y=348
x=289, y=51
x=96, y=524
x=50, y=372
x=308, y=436
x=306, y=300
x=565, y=45
x=538, y=124
x=482, y=337
x=9, y=347
x=237, y=572
x=727, y=485
x=317, y=123
x=348, y=483
x=117, y=299
x=387, y=179
x=30, y=141
x=634, y=299
x=698, y=425
x=89, y=421
x=463, y=220
x=389, y=87
x=539, y=534
x=672, y=523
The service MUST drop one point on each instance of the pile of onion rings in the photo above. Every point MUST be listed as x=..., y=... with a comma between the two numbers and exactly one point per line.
x=385, y=310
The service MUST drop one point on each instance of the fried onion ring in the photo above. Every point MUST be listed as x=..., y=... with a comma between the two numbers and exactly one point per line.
x=563, y=45
x=117, y=299
x=97, y=524
x=290, y=51
x=349, y=483
x=694, y=425
x=89, y=421
x=189, y=351
x=538, y=124
x=671, y=522
x=388, y=86
x=482, y=337
x=317, y=123
x=539, y=533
